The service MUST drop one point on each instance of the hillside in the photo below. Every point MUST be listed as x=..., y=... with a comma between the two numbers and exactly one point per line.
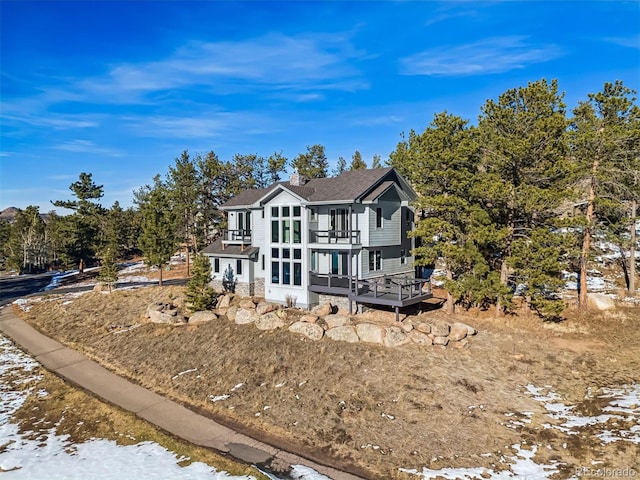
x=376, y=410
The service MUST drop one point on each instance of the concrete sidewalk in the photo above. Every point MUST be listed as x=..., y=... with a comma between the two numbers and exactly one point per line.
x=164, y=413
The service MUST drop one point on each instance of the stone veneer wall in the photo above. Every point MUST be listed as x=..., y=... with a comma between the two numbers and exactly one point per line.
x=245, y=289
x=259, y=287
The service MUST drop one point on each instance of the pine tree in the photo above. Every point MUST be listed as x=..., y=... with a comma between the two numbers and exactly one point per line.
x=313, y=163
x=82, y=231
x=441, y=164
x=200, y=294
x=376, y=162
x=182, y=182
x=159, y=232
x=605, y=141
x=523, y=178
x=109, y=268
x=356, y=162
x=341, y=166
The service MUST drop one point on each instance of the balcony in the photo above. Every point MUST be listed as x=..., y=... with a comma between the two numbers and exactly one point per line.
x=392, y=291
x=236, y=237
x=332, y=237
x=330, y=283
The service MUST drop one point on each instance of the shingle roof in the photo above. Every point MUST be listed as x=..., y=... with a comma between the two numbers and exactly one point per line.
x=348, y=186
x=229, y=250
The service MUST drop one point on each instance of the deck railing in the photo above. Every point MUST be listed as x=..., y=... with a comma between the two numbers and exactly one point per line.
x=402, y=288
x=334, y=236
x=237, y=236
x=331, y=280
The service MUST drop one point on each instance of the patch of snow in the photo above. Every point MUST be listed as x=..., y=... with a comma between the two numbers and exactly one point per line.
x=184, y=373
x=56, y=456
x=237, y=387
x=218, y=398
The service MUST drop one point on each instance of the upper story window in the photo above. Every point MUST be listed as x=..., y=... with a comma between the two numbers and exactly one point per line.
x=286, y=224
x=379, y=217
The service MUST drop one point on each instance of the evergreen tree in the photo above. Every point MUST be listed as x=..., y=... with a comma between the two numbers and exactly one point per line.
x=200, y=295
x=159, y=232
x=313, y=163
x=523, y=179
x=341, y=166
x=109, y=268
x=441, y=164
x=356, y=162
x=82, y=232
x=605, y=141
x=276, y=164
x=182, y=182
x=376, y=162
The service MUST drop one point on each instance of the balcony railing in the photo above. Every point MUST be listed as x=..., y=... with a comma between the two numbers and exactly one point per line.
x=236, y=236
x=334, y=236
x=394, y=288
x=330, y=280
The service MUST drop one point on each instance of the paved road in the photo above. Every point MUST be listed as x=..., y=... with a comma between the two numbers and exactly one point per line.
x=22, y=285
x=166, y=414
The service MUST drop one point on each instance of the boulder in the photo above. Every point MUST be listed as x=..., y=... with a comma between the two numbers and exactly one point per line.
x=370, y=333
x=458, y=332
x=268, y=321
x=322, y=310
x=179, y=301
x=154, y=307
x=203, y=316
x=444, y=341
x=440, y=329
x=600, y=301
x=470, y=329
x=336, y=320
x=170, y=317
x=423, y=327
x=231, y=313
x=406, y=326
x=346, y=333
x=244, y=316
x=310, y=318
x=420, y=338
x=265, y=307
x=461, y=344
x=395, y=337
x=309, y=330
x=247, y=304
x=224, y=301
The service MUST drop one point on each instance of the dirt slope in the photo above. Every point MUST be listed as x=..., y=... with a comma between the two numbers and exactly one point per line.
x=368, y=408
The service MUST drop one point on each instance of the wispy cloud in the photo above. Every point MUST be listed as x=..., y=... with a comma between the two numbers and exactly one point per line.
x=632, y=41
x=206, y=125
x=492, y=55
x=302, y=64
x=86, y=146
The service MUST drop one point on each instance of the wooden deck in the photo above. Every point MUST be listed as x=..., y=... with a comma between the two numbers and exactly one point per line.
x=390, y=291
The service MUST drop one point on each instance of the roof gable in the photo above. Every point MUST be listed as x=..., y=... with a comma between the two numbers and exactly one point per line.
x=351, y=186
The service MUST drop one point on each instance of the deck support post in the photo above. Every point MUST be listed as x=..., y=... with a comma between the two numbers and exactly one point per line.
x=397, y=314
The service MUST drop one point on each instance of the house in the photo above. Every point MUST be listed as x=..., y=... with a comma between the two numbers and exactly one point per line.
x=341, y=239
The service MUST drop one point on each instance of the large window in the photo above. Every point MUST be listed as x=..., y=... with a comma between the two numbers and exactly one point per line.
x=297, y=273
x=286, y=228
x=286, y=273
x=375, y=260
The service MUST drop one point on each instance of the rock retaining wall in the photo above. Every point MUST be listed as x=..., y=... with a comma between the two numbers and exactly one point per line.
x=322, y=321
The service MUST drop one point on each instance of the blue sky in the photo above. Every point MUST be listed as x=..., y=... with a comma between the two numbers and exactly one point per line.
x=120, y=89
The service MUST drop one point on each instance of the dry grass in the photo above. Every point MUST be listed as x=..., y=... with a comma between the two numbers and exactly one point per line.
x=364, y=406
